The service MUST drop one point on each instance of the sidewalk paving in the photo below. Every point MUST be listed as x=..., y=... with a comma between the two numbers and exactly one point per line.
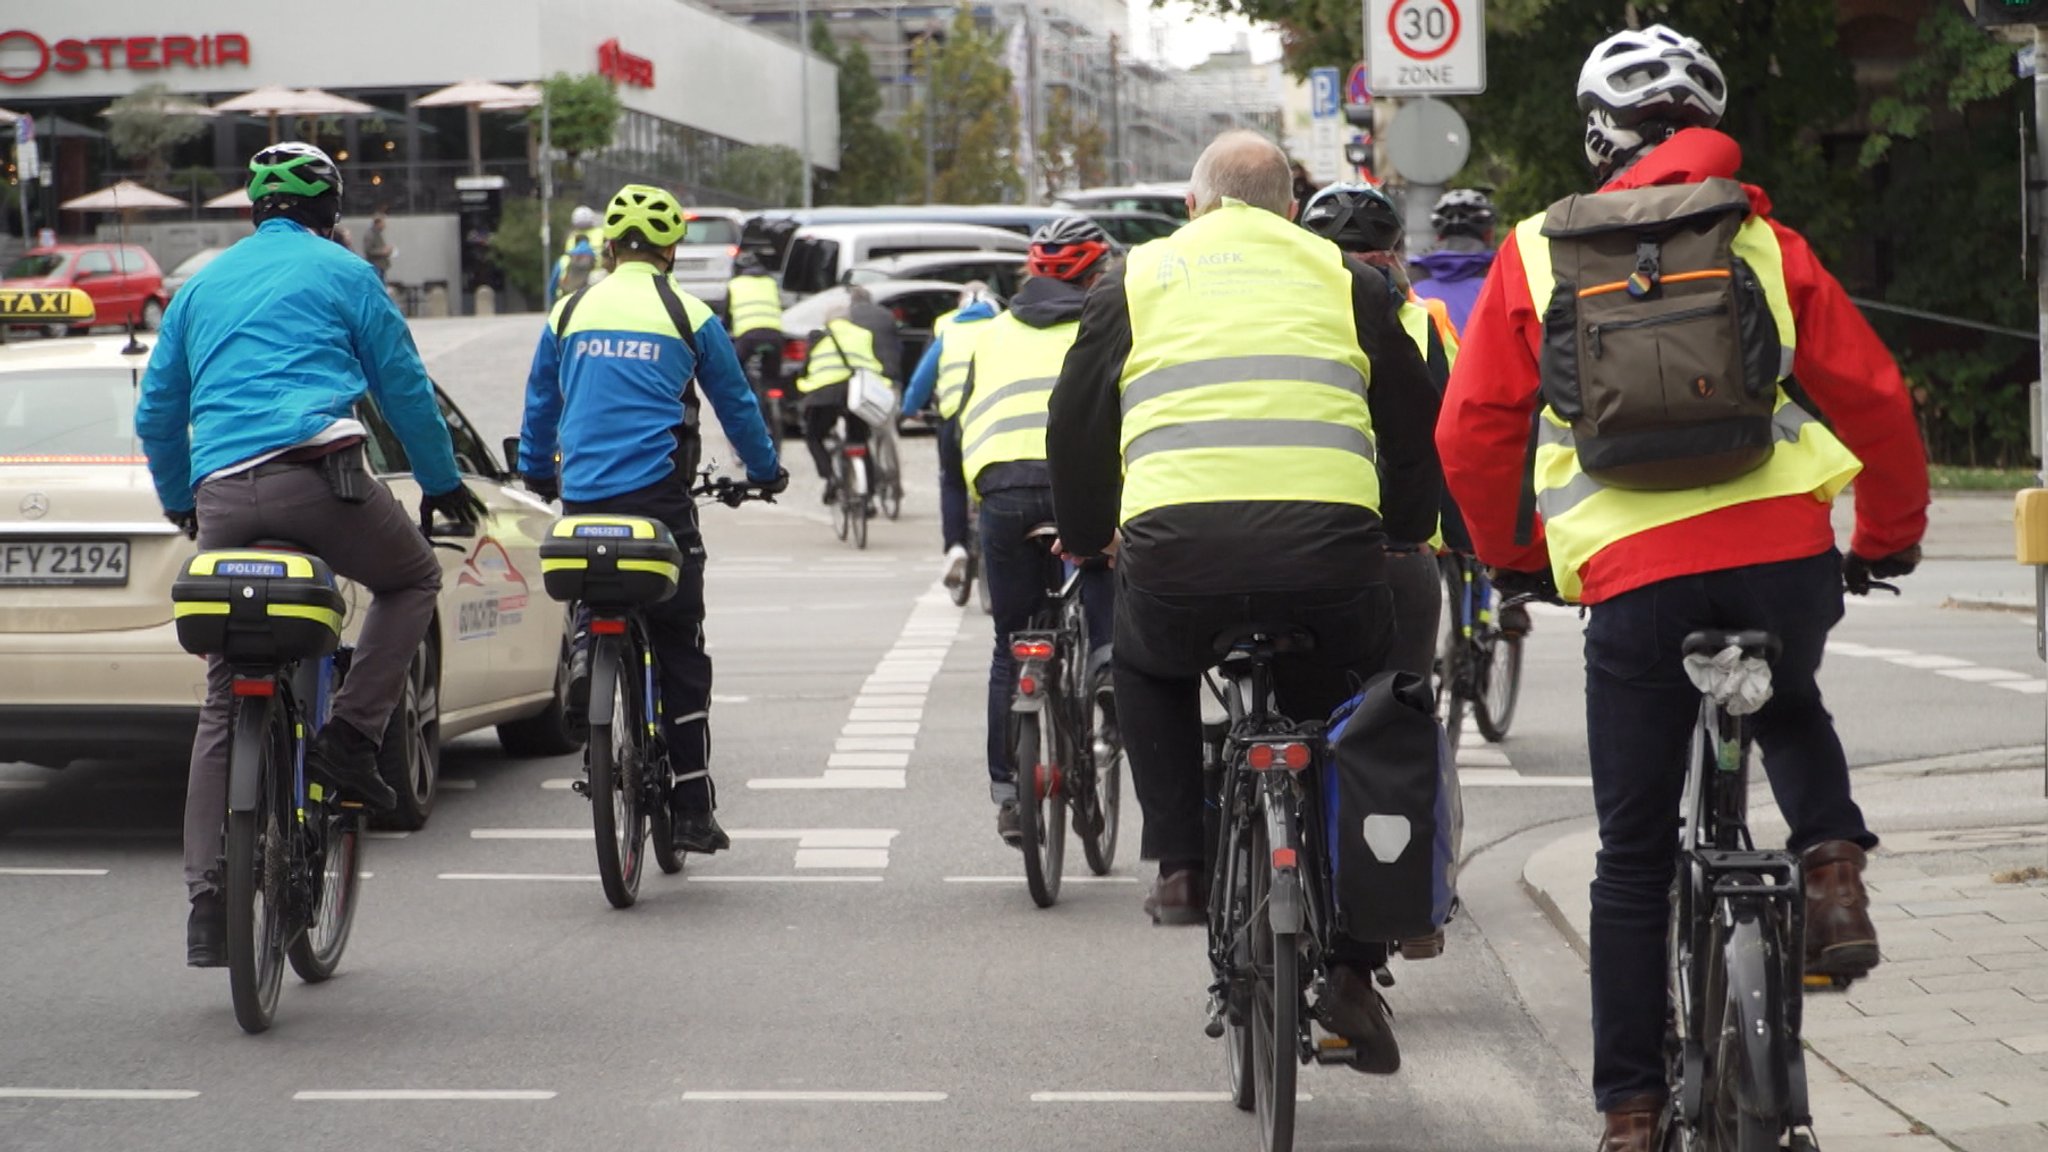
x=1945, y=1046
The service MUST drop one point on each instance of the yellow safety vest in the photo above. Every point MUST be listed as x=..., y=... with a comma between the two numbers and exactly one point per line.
x=956, y=338
x=1015, y=367
x=594, y=234
x=844, y=347
x=754, y=303
x=1582, y=516
x=1244, y=381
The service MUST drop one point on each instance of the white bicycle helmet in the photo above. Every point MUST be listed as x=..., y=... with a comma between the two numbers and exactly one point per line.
x=583, y=217
x=1635, y=77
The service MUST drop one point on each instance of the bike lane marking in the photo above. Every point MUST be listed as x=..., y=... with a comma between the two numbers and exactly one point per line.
x=1952, y=667
x=437, y=1094
x=97, y=1094
x=793, y=1097
x=53, y=871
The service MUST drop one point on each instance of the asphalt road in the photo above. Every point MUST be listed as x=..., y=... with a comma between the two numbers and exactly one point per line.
x=864, y=970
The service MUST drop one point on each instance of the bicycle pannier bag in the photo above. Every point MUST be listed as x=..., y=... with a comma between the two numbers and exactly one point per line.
x=870, y=397
x=610, y=561
x=1659, y=349
x=257, y=609
x=1393, y=819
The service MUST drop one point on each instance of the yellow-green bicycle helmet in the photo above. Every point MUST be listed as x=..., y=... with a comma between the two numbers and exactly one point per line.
x=652, y=212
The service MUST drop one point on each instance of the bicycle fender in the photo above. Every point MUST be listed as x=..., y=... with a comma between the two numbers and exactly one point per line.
x=245, y=752
x=1752, y=966
x=1283, y=903
x=604, y=678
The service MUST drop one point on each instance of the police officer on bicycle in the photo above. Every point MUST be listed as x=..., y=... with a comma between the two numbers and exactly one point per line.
x=248, y=417
x=753, y=303
x=614, y=386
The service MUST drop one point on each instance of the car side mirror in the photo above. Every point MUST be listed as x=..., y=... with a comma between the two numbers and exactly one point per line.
x=511, y=455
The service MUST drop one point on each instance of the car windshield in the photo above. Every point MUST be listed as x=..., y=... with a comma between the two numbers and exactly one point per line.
x=35, y=266
x=72, y=416
x=711, y=230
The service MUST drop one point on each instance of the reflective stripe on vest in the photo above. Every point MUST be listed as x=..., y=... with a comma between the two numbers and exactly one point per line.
x=754, y=303
x=845, y=346
x=1208, y=414
x=956, y=339
x=1581, y=516
x=1015, y=367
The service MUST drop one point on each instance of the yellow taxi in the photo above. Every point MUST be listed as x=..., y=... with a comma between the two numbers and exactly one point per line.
x=90, y=666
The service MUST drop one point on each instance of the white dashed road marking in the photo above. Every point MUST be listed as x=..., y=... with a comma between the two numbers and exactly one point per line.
x=53, y=871
x=361, y=1094
x=1949, y=666
x=96, y=1094
x=1510, y=778
x=815, y=1097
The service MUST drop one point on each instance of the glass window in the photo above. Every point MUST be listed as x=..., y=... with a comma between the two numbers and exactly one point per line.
x=36, y=266
x=472, y=458
x=68, y=417
x=132, y=261
x=711, y=230
x=387, y=455
x=96, y=262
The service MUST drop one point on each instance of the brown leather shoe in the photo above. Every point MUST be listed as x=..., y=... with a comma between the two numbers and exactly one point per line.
x=1840, y=939
x=1356, y=1011
x=1632, y=1127
x=1178, y=898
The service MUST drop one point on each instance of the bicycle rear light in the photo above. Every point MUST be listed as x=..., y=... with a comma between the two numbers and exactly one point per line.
x=1027, y=685
x=607, y=627
x=857, y=451
x=255, y=687
x=1266, y=756
x=1031, y=650
x=1284, y=858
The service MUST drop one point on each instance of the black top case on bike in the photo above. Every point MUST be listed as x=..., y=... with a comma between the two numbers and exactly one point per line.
x=610, y=561
x=258, y=608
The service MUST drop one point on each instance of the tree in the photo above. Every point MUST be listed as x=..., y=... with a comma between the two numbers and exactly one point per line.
x=582, y=112
x=1071, y=146
x=763, y=173
x=146, y=124
x=972, y=119
x=516, y=243
x=874, y=163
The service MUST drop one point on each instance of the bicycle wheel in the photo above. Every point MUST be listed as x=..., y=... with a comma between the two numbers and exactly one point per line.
x=258, y=856
x=1041, y=805
x=663, y=831
x=1746, y=1088
x=889, y=472
x=980, y=582
x=1500, y=687
x=1106, y=757
x=1276, y=1002
x=1451, y=654
x=842, y=520
x=316, y=952
x=1226, y=896
x=616, y=813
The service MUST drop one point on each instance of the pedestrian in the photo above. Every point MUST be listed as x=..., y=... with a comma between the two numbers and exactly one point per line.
x=377, y=248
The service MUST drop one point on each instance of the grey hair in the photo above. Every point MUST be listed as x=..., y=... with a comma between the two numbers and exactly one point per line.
x=1242, y=165
x=859, y=295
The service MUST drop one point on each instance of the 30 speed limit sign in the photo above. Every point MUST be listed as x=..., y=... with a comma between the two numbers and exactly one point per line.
x=1426, y=47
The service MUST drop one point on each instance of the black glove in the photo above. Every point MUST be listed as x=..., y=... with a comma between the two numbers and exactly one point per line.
x=458, y=504
x=775, y=486
x=187, y=522
x=1857, y=573
x=1513, y=582
x=548, y=488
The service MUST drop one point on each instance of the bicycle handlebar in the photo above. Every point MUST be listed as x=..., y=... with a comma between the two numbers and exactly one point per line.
x=728, y=491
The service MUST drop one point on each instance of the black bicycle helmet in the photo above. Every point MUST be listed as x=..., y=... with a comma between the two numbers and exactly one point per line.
x=1355, y=217
x=1068, y=248
x=1462, y=212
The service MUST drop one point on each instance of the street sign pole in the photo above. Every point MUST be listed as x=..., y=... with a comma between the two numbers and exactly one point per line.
x=24, y=170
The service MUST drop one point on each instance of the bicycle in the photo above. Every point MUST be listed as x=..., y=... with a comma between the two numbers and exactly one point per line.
x=613, y=565
x=888, y=471
x=292, y=854
x=1269, y=913
x=768, y=391
x=1478, y=666
x=1063, y=740
x=972, y=573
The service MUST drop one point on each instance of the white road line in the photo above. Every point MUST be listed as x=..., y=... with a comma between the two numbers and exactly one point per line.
x=1481, y=757
x=1927, y=662
x=1510, y=778
x=888, y=702
x=842, y=858
x=53, y=871
x=356, y=1094
x=822, y=837
x=1132, y=1097
x=834, y=778
x=893, y=728
x=22, y=785
x=562, y=785
x=785, y=879
x=1862, y=651
x=716, y=699
x=538, y=877
x=1975, y=675
x=2027, y=687
x=1020, y=880
x=96, y=1094
x=860, y=715
x=875, y=744
x=529, y=834
x=815, y=1097
x=99, y=833
x=457, y=784
x=868, y=760
x=387, y=835
x=1471, y=738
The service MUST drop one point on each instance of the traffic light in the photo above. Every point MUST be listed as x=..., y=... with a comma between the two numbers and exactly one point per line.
x=2006, y=13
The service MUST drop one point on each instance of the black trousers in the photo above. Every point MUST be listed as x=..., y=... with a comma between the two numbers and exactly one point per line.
x=675, y=627
x=1163, y=645
x=822, y=414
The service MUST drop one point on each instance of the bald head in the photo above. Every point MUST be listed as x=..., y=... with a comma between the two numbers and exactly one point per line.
x=1242, y=165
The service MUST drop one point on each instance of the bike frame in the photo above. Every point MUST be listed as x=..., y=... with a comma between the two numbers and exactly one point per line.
x=1052, y=684
x=285, y=687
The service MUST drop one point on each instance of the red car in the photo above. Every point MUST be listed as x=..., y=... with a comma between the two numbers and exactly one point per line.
x=124, y=282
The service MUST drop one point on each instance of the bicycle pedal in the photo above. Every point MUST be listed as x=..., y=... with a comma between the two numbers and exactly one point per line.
x=1335, y=1050
x=581, y=788
x=1383, y=976
x=352, y=805
x=1821, y=982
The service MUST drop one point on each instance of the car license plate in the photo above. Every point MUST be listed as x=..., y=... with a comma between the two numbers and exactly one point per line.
x=31, y=562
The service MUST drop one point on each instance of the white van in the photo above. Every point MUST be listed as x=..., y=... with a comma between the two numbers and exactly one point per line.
x=821, y=254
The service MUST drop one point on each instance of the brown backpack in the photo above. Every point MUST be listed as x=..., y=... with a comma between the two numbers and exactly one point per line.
x=1659, y=348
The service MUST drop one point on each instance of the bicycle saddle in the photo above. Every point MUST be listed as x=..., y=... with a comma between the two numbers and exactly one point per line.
x=1265, y=640
x=1754, y=643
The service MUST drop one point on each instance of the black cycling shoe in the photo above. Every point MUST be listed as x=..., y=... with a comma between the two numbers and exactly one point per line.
x=1008, y=825
x=576, y=706
x=699, y=832
x=1356, y=1011
x=206, y=932
x=831, y=492
x=344, y=759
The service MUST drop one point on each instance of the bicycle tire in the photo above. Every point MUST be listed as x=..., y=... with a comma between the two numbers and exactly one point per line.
x=1747, y=1080
x=254, y=881
x=1451, y=654
x=1226, y=893
x=1276, y=1003
x=614, y=755
x=316, y=952
x=1041, y=809
x=1105, y=795
x=980, y=583
x=842, y=520
x=889, y=467
x=662, y=832
x=1500, y=688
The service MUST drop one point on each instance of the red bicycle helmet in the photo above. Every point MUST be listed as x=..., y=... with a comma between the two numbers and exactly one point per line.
x=1067, y=249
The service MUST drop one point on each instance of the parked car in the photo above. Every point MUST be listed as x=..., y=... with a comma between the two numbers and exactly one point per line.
x=711, y=239
x=821, y=254
x=123, y=280
x=1132, y=228
x=187, y=268
x=90, y=664
x=916, y=304
x=1166, y=199
x=999, y=270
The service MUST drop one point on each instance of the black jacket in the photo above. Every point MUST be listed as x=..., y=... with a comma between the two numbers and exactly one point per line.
x=1041, y=303
x=1243, y=545
x=888, y=342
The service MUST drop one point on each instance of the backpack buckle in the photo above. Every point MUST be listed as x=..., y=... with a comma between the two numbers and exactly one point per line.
x=1649, y=269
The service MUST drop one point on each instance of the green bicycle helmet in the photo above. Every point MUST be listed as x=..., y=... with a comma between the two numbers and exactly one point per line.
x=644, y=216
x=297, y=181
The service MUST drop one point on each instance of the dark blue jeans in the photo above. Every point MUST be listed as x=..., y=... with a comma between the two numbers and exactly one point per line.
x=952, y=487
x=1017, y=573
x=1640, y=709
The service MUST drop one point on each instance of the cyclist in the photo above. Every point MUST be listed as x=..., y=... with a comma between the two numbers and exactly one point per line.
x=1218, y=383
x=837, y=350
x=943, y=368
x=583, y=229
x=1010, y=375
x=1453, y=271
x=614, y=385
x=248, y=417
x=1754, y=552
x=575, y=270
x=753, y=301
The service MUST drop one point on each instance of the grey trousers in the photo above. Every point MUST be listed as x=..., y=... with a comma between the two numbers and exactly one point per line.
x=377, y=545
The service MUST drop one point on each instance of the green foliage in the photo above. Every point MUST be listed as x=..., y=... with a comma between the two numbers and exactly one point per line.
x=516, y=243
x=583, y=113
x=874, y=163
x=972, y=121
x=146, y=124
x=763, y=173
x=1072, y=148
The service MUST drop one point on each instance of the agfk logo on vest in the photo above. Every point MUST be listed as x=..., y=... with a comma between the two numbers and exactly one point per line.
x=609, y=348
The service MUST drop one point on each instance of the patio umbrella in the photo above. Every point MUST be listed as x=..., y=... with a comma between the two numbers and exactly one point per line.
x=172, y=106
x=237, y=198
x=476, y=95
x=529, y=95
x=122, y=197
x=274, y=100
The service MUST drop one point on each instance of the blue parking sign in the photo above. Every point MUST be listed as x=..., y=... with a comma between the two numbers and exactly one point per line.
x=1325, y=93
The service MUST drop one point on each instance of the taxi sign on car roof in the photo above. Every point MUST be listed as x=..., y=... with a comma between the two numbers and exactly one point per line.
x=45, y=306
